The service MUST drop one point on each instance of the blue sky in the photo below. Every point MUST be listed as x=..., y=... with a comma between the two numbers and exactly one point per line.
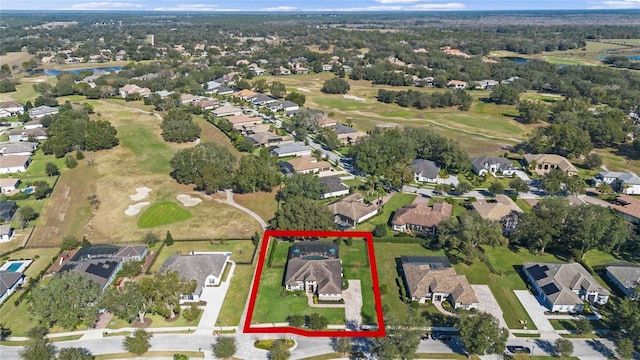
x=315, y=5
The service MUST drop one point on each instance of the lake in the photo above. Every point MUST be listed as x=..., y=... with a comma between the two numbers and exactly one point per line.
x=54, y=72
x=517, y=60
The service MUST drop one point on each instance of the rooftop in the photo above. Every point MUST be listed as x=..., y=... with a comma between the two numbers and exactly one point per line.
x=422, y=215
x=495, y=211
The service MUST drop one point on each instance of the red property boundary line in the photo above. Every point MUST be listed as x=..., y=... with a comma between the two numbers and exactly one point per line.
x=380, y=332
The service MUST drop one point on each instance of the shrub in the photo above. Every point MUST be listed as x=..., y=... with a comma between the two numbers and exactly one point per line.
x=70, y=162
x=192, y=313
x=380, y=231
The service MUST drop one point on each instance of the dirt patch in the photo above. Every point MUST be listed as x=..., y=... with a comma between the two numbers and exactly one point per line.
x=188, y=200
x=353, y=97
x=304, y=90
x=141, y=193
x=136, y=208
x=147, y=322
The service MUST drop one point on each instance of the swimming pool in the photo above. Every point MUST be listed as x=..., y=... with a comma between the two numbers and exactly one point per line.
x=28, y=190
x=13, y=267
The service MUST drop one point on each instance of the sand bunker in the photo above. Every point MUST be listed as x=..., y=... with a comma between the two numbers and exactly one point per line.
x=135, y=208
x=188, y=200
x=141, y=193
x=304, y=90
x=353, y=97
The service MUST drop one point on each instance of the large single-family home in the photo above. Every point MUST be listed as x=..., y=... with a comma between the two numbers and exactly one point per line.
x=352, y=210
x=227, y=110
x=9, y=283
x=502, y=209
x=101, y=262
x=420, y=218
x=326, y=121
x=487, y=84
x=212, y=86
x=433, y=278
x=36, y=123
x=315, y=268
x=348, y=135
x=268, y=138
x=14, y=164
x=238, y=121
x=624, y=182
x=628, y=207
x=335, y=187
x=206, y=104
x=8, y=208
x=283, y=71
x=564, y=287
x=261, y=100
x=541, y=164
x=5, y=232
x=9, y=185
x=245, y=94
x=24, y=148
x=425, y=171
x=133, y=89
x=626, y=278
x=291, y=149
x=306, y=165
x=27, y=134
x=42, y=111
x=205, y=268
x=11, y=108
x=457, y=84
x=493, y=165
x=189, y=98
x=283, y=106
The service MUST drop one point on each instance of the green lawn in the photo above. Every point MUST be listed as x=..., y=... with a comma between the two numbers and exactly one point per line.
x=162, y=213
x=241, y=250
x=270, y=307
x=566, y=324
x=236, y=298
x=398, y=200
x=152, y=153
x=156, y=321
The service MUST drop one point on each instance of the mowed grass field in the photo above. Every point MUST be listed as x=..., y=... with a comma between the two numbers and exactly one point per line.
x=162, y=213
x=141, y=159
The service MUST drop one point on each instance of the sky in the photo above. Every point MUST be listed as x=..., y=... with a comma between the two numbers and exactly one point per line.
x=317, y=5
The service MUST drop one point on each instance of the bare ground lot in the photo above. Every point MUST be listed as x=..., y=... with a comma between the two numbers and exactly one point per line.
x=141, y=159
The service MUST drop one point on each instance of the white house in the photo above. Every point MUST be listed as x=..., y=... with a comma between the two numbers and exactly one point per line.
x=314, y=267
x=425, y=171
x=5, y=233
x=335, y=187
x=27, y=134
x=291, y=149
x=493, y=165
x=352, y=210
x=457, y=84
x=11, y=108
x=206, y=268
x=25, y=148
x=42, y=111
x=9, y=185
x=33, y=124
x=564, y=287
x=9, y=283
x=624, y=182
x=626, y=278
x=14, y=164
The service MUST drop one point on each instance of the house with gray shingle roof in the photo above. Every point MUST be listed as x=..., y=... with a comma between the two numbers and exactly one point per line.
x=42, y=111
x=425, y=171
x=626, y=278
x=493, y=165
x=291, y=149
x=564, y=287
x=624, y=182
x=352, y=210
x=9, y=282
x=205, y=268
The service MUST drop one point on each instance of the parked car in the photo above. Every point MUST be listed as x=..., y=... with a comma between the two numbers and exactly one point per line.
x=441, y=336
x=519, y=350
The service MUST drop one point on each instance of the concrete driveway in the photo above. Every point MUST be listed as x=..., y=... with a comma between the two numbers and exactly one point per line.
x=353, y=304
x=536, y=313
x=214, y=296
x=488, y=303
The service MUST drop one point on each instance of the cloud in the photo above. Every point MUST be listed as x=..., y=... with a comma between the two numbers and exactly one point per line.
x=105, y=5
x=617, y=4
x=396, y=1
x=193, y=7
x=280, y=8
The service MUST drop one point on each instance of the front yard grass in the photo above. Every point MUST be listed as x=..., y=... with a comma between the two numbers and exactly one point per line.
x=156, y=322
x=397, y=200
x=162, y=213
x=569, y=324
x=241, y=250
x=236, y=298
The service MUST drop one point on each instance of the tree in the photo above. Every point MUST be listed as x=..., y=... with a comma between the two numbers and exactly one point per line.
x=256, y=173
x=168, y=239
x=335, y=86
x=296, y=97
x=7, y=86
x=277, y=89
x=70, y=243
x=178, y=126
x=604, y=188
x=463, y=187
x=126, y=302
x=38, y=346
x=150, y=238
x=69, y=300
x=519, y=185
x=402, y=339
x=51, y=169
x=531, y=112
x=163, y=290
x=318, y=322
x=380, y=231
x=260, y=85
x=304, y=185
x=342, y=345
x=496, y=188
x=138, y=342
x=70, y=162
x=75, y=353
x=592, y=161
x=279, y=351
x=624, y=348
x=208, y=166
x=192, y=312
x=592, y=226
x=544, y=225
x=467, y=232
x=329, y=138
x=563, y=347
x=300, y=213
x=26, y=214
x=481, y=334
x=504, y=94
x=553, y=180
x=296, y=320
x=583, y=326
x=575, y=185
x=225, y=347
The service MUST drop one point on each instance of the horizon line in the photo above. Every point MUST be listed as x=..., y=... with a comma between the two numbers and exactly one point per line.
x=320, y=11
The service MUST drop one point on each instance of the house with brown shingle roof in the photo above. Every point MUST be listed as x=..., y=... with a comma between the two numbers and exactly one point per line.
x=502, y=209
x=352, y=210
x=564, y=287
x=314, y=267
x=433, y=278
x=245, y=94
x=421, y=219
x=628, y=207
x=238, y=121
x=543, y=163
x=308, y=164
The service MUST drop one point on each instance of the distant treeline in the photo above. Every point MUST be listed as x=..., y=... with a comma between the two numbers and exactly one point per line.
x=422, y=100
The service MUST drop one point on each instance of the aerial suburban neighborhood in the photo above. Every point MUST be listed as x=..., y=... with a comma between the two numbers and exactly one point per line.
x=318, y=182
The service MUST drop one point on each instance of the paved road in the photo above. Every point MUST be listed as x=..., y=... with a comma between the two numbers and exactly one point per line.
x=229, y=200
x=334, y=157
